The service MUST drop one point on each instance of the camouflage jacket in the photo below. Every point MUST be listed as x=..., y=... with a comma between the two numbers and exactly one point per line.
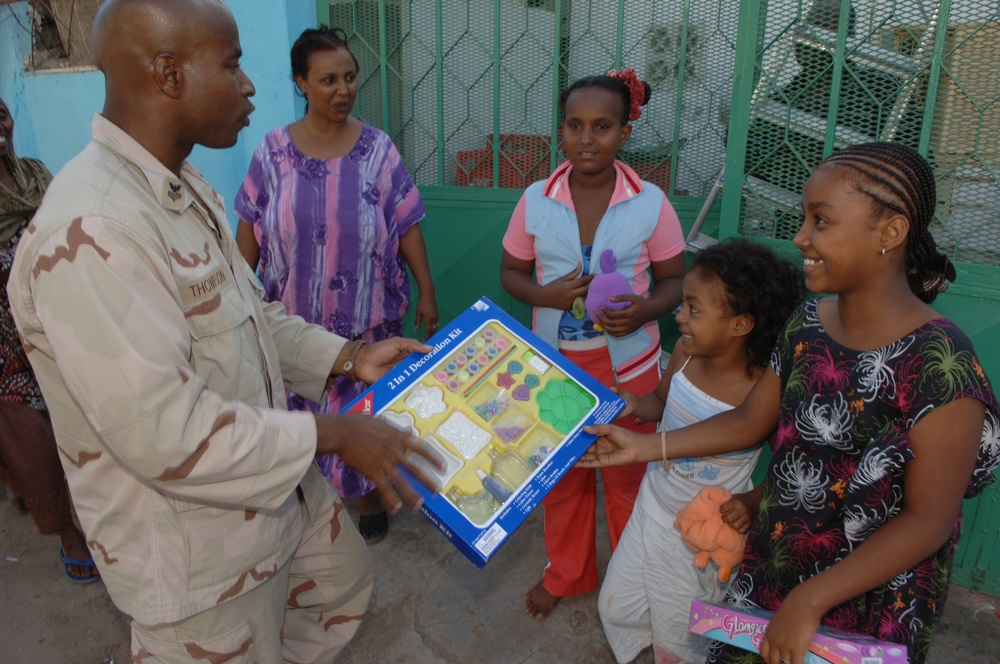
x=164, y=373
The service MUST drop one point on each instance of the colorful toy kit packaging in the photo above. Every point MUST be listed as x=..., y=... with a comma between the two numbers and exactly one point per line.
x=504, y=410
x=744, y=628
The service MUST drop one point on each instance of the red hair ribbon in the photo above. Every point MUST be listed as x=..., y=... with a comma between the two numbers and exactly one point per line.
x=636, y=89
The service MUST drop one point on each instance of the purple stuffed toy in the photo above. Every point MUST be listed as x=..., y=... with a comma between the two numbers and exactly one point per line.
x=605, y=285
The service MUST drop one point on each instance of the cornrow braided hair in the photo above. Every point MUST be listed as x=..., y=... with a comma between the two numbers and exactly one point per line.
x=897, y=178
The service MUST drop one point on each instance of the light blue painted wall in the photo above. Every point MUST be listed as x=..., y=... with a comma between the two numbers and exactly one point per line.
x=53, y=109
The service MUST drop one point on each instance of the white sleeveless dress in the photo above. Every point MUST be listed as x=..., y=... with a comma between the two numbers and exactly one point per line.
x=646, y=595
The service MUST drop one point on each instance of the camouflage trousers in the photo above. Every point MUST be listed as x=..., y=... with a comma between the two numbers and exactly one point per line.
x=305, y=613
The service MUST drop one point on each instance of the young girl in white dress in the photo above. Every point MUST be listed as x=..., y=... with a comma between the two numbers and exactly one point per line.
x=736, y=297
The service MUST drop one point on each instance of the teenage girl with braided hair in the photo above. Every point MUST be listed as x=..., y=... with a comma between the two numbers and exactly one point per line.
x=884, y=418
x=592, y=203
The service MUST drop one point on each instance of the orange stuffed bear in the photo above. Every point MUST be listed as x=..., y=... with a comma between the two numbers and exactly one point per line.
x=705, y=533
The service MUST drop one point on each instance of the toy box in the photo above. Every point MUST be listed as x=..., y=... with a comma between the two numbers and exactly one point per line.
x=744, y=628
x=504, y=410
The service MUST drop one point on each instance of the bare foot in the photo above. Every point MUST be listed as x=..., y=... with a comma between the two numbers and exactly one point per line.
x=539, y=602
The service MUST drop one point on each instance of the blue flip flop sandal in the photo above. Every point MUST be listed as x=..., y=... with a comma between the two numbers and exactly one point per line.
x=67, y=561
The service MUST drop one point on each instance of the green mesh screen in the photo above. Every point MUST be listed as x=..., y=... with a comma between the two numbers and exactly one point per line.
x=468, y=90
x=832, y=73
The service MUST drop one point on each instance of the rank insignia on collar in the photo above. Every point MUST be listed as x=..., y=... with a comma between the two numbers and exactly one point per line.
x=173, y=191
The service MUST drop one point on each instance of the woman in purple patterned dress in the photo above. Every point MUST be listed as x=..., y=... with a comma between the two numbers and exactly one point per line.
x=885, y=420
x=330, y=213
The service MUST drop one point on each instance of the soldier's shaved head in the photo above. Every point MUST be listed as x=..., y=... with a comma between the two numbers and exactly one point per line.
x=128, y=34
x=172, y=77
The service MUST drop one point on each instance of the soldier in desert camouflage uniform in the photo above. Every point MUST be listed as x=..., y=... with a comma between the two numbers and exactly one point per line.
x=165, y=372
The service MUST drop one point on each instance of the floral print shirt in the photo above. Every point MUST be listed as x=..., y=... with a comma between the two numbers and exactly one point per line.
x=17, y=382
x=836, y=473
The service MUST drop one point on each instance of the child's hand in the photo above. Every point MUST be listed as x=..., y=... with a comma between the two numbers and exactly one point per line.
x=740, y=510
x=737, y=514
x=613, y=447
x=619, y=322
x=561, y=293
x=630, y=401
x=791, y=630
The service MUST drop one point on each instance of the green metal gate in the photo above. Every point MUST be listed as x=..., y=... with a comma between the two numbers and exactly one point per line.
x=826, y=73
x=468, y=90
x=759, y=92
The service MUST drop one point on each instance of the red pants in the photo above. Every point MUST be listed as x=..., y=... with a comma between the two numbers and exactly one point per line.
x=571, y=505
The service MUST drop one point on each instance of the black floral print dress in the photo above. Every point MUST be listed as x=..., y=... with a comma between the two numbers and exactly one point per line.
x=836, y=474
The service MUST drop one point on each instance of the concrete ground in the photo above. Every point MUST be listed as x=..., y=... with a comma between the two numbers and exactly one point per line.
x=431, y=605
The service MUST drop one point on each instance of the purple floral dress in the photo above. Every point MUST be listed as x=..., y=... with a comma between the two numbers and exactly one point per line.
x=329, y=235
x=836, y=474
